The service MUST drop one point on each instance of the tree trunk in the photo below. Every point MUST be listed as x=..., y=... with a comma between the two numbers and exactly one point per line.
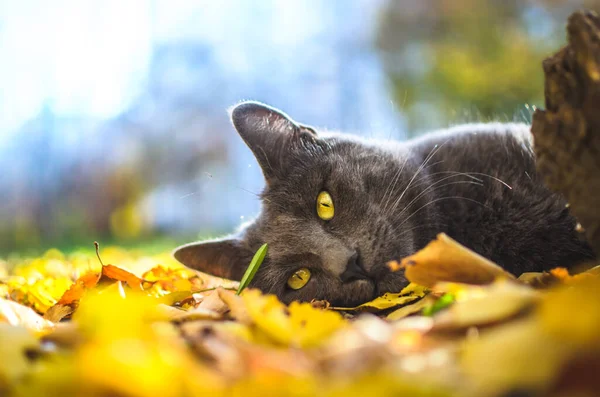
x=567, y=133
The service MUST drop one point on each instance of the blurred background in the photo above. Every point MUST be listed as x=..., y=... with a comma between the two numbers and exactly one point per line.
x=113, y=114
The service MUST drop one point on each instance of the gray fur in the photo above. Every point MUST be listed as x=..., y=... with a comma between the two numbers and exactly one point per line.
x=476, y=182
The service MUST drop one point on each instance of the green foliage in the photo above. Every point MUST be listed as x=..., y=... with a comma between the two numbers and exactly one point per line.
x=467, y=61
x=257, y=260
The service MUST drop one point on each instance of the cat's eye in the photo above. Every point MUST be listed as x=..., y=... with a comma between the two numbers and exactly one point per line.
x=299, y=278
x=325, y=208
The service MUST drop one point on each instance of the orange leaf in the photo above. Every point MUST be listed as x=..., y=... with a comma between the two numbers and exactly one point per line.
x=118, y=274
x=75, y=292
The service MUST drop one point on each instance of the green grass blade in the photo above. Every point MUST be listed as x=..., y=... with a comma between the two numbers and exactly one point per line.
x=255, y=263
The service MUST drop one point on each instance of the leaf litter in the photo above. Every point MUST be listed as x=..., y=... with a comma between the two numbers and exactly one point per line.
x=146, y=326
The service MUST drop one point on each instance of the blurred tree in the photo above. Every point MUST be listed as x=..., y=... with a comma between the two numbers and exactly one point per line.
x=469, y=60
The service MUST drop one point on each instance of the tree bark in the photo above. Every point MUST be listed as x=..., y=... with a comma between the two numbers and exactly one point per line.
x=567, y=133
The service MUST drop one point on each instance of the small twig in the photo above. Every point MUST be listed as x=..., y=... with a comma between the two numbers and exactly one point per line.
x=98, y=252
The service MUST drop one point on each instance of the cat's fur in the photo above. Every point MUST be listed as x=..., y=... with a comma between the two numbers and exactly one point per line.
x=476, y=182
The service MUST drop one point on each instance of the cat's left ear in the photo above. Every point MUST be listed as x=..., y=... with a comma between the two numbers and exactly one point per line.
x=227, y=258
x=271, y=135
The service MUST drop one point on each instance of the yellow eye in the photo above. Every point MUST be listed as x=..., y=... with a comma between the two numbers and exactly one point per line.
x=325, y=206
x=299, y=279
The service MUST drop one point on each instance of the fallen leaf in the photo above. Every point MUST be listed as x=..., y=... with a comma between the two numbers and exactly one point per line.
x=58, y=312
x=76, y=291
x=298, y=325
x=358, y=348
x=388, y=300
x=237, y=307
x=409, y=309
x=16, y=314
x=444, y=259
x=180, y=315
x=15, y=341
x=475, y=305
x=572, y=312
x=116, y=273
x=213, y=302
x=595, y=271
x=516, y=355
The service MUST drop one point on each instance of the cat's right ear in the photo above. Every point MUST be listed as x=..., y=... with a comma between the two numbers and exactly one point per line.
x=271, y=135
x=227, y=258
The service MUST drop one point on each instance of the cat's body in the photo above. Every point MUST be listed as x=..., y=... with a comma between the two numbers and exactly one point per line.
x=477, y=183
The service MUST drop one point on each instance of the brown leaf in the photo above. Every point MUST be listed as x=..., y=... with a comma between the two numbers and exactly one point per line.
x=542, y=280
x=444, y=259
x=58, y=312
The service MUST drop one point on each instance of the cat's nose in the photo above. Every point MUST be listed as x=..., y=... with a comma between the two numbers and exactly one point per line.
x=354, y=270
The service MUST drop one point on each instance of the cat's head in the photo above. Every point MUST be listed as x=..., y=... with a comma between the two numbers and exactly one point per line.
x=330, y=213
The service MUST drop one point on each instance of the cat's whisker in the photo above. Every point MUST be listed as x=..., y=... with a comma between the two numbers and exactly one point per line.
x=392, y=186
x=189, y=194
x=403, y=232
x=248, y=191
x=439, y=199
x=392, y=190
x=454, y=173
x=492, y=177
x=434, y=187
x=281, y=207
x=466, y=174
x=432, y=153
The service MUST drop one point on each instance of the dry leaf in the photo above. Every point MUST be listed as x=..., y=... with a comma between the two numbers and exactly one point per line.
x=58, y=312
x=75, y=292
x=572, y=312
x=476, y=305
x=388, y=300
x=513, y=356
x=16, y=314
x=238, y=309
x=116, y=273
x=409, y=309
x=298, y=325
x=213, y=302
x=180, y=315
x=15, y=341
x=444, y=259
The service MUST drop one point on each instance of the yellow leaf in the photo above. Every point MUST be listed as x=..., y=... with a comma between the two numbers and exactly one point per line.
x=299, y=325
x=514, y=356
x=407, y=310
x=409, y=294
x=572, y=312
x=14, y=342
x=476, y=305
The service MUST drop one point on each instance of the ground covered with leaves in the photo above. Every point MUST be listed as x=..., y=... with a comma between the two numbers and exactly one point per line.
x=146, y=326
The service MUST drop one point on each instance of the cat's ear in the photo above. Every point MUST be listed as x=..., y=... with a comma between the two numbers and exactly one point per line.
x=226, y=258
x=271, y=135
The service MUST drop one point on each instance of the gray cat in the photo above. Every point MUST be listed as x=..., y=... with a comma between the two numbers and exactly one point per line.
x=336, y=208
